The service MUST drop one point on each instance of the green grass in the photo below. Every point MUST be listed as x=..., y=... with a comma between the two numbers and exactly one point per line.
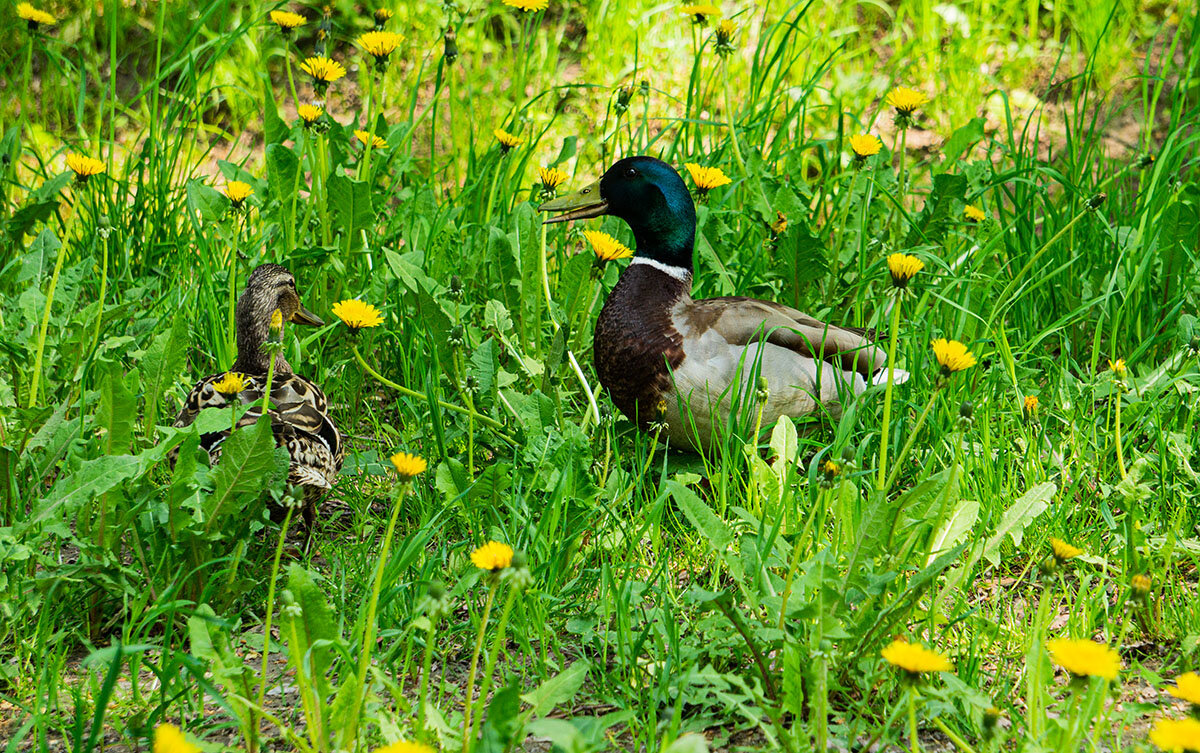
x=672, y=601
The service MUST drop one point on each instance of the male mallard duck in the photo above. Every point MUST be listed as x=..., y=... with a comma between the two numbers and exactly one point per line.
x=300, y=413
x=664, y=356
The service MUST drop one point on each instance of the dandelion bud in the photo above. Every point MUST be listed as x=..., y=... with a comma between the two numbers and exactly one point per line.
x=848, y=455
x=624, y=95
x=991, y=720
x=450, y=45
x=437, y=590
x=830, y=471
x=456, y=335
x=1146, y=161
x=455, y=290
x=779, y=226
x=471, y=383
x=1139, y=587
x=1030, y=407
x=1096, y=201
x=761, y=390
x=966, y=410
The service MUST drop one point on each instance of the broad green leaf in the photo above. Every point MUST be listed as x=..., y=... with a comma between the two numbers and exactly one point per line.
x=94, y=477
x=350, y=201
x=501, y=725
x=561, y=733
x=313, y=629
x=248, y=463
x=274, y=129
x=955, y=528
x=161, y=365
x=557, y=690
x=963, y=138
x=690, y=742
x=940, y=210
x=118, y=408
x=206, y=202
x=283, y=166
x=1017, y=517
x=705, y=521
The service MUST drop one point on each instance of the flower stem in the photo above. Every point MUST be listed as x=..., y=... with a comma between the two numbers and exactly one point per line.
x=368, y=641
x=485, y=420
x=266, y=650
x=912, y=720
x=912, y=437
x=887, y=393
x=468, y=706
x=423, y=693
x=41, y=342
x=487, y=209
x=497, y=641
x=1117, y=432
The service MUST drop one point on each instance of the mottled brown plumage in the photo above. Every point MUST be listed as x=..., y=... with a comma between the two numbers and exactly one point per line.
x=299, y=410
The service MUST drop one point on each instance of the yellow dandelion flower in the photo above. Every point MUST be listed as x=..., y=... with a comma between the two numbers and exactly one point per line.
x=552, y=177
x=1063, y=551
x=376, y=141
x=408, y=466
x=1140, y=585
x=231, y=383
x=276, y=320
x=952, y=355
x=382, y=16
x=237, y=192
x=973, y=213
x=1085, y=658
x=1031, y=406
x=1118, y=367
x=606, y=247
x=309, y=113
x=168, y=739
x=528, y=5
x=286, y=20
x=906, y=100
x=700, y=11
x=903, y=267
x=915, y=658
x=865, y=145
x=1187, y=686
x=379, y=44
x=324, y=70
x=1176, y=735
x=831, y=468
x=34, y=17
x=707, y=178
x=356, y=314
x=726, y=31
x=404, y=746
x=492, y=556
x=84, y=166
x=506, y=139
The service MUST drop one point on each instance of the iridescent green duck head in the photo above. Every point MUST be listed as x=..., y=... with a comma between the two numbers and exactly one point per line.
x=269, y=288
x=650, y=196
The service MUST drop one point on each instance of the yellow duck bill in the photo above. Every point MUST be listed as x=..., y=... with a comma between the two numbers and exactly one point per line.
x=584, y=203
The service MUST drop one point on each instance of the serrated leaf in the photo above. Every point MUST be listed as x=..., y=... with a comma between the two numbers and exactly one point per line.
x=248, y=462
x=309, y=636
x=931, y=224
x=283, y=166
x=1017, y=517
x=161, y=365
x=118, y=408
x=350, y=201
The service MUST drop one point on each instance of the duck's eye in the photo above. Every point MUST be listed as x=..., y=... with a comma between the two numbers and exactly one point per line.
x=586, y=191
x=631, y=172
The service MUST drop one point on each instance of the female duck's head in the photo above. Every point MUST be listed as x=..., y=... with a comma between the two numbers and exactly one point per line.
x=650, y=196
x=269, y=288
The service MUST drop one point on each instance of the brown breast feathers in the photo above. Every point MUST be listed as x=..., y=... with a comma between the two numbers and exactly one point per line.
x=636, y=345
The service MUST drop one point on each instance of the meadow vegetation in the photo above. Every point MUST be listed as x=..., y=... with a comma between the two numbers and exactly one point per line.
x=999, y=554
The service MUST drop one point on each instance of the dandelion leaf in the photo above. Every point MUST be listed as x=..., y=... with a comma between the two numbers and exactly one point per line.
x=1017, y=517
x=963, y=138
x=350, y=201
x=501, y=725
x=163, y=362
x=557, y=690
x=931, y=224
x=249, y=462
x=274, y=129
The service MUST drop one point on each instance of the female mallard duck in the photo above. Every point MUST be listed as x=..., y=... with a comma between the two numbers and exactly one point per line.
x=666, y=357
x=300, y=411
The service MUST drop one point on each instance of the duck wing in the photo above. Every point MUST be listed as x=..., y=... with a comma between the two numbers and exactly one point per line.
x=742, y=321
x=299, y=420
